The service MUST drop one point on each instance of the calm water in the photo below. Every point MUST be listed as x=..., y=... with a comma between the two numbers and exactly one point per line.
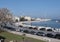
x=52, y=24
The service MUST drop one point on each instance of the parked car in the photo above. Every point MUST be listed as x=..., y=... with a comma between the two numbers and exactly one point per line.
x=49, y=30
x=10, y=28
x=20, y=26
x=43, y=29
x=30, y=27
x=32, y=32
x=40, y=33
x=50, y=35
x=35, y=28
x=26, y=31
x=57, y=36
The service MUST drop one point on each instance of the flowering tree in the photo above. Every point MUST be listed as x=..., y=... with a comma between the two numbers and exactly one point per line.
x=5, y=15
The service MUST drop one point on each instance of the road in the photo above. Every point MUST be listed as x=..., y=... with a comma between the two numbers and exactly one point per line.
x=34, y=36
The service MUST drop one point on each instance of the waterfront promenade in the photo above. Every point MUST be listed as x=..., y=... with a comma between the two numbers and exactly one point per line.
x=33, y=36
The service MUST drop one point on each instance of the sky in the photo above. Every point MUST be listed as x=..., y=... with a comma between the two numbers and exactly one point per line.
x=33, y=8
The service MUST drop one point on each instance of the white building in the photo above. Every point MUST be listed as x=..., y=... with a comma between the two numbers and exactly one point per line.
x=28, y=18
x=16, y=19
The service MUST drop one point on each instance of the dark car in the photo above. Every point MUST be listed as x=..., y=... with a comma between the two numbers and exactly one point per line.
x=49, y=30
x=50, y=35
x=32, y=32
x=40, y=33
x=30, y=27
x=10, y=28
x=57, y=36
x=20, y=26
x=25, y=31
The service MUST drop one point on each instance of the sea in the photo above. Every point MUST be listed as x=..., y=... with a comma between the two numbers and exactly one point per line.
x=52, y=23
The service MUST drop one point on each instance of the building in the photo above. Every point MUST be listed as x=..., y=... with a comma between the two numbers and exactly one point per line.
x=16, y=19
x=26, y=18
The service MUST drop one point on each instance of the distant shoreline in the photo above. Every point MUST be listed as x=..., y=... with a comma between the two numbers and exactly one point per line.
x=30, y=21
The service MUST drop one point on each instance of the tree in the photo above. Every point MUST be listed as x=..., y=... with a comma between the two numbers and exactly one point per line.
x=16, y=20
x=5, y=15
x=23, y=19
